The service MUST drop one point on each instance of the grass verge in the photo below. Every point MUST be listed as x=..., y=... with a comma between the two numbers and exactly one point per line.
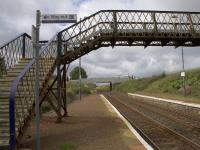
x=68, y=146
x=166, y=86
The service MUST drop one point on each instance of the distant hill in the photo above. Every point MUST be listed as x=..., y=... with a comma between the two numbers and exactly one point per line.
x=164, y=84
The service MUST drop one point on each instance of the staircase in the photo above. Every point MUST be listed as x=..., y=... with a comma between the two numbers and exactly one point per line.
x=24, y=107
x=5, y=83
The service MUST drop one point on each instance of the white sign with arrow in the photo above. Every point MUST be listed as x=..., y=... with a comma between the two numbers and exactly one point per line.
x=59, y=18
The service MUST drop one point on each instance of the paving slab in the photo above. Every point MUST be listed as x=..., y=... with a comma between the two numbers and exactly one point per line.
x=92, y=125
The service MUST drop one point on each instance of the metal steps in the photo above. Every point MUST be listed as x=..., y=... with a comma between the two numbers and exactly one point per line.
x=24, y=98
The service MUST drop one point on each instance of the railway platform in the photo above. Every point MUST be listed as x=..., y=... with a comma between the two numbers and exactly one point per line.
x=92, y=125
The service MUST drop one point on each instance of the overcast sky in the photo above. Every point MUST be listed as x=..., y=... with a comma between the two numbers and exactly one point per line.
x=17, y=16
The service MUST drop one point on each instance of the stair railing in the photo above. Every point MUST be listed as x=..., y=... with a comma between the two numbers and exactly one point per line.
x=13, y=51
x=23, y=87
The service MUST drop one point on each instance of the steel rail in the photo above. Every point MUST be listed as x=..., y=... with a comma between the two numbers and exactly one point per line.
x=175, y=134
x=167, y=113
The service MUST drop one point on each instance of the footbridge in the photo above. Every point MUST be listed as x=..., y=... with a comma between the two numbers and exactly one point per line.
x=102, y=29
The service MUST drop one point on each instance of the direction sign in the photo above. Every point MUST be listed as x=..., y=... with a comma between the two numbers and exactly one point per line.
x=59, y=18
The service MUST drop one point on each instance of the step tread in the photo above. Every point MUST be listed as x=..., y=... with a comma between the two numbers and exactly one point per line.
x=6, y=84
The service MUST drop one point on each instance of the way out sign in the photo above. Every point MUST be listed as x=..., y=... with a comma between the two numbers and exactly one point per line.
x=58, y=18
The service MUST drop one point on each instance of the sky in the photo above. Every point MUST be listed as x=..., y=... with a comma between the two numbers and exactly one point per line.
x=19, y=15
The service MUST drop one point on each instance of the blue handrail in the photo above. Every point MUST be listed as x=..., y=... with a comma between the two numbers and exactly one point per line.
x=13, y=93
x=12, y=105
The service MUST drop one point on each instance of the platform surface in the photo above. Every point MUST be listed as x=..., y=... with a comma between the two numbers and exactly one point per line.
x=92, y=125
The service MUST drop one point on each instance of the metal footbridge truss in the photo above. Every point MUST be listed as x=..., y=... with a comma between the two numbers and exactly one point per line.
x=102, y=29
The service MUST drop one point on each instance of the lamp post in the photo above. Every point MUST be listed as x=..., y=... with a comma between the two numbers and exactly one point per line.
x=80, y=96
x=80, y=92
x=175, y=23
x=37, y=97
x=183, y=72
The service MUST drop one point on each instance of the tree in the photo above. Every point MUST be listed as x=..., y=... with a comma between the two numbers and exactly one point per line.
x=74, y=74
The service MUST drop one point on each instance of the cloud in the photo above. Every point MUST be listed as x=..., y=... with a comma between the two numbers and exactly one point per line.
x=18, y=16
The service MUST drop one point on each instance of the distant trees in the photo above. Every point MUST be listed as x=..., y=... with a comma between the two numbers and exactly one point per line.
x=74, y=74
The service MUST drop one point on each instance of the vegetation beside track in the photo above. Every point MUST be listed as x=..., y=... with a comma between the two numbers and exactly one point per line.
x=73, y=88
x=166, y=86
x=72, y=93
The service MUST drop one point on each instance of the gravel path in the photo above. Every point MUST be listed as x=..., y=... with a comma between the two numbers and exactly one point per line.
x=91, y=126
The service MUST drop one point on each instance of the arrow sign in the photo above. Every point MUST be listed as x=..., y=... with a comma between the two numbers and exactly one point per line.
x=59, y=18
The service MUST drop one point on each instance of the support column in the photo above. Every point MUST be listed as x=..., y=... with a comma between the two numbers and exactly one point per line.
x=192, y=30
x=65, y=91
x=154, y=22
x=24, y=46
x=59, y=82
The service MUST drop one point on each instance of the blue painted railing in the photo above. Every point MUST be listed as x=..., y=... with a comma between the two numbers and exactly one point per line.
x=47, y=52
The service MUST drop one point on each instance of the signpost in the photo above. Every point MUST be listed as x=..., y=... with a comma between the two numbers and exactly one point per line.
x=44, y=18
x=35, y=40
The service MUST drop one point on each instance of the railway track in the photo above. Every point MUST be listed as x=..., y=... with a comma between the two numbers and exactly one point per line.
x=161, y=129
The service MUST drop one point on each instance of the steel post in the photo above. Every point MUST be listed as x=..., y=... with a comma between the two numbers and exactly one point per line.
x=115, y=22
x=24, y=46
x=37, y=98
x=80, y=92
x=59, y=81
x=12, y=123
x=183, y=67
x=65, y=91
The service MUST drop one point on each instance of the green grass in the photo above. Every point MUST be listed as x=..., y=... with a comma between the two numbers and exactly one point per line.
x=66, y=147
x=165, y=85
x=103, y=88
x=135, y=85
x=45, y=108
x=72, y=91
x=73, y=88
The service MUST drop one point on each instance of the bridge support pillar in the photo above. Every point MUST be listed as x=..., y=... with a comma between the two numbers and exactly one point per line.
x=59, y=100
x=59, y=93
x=64, y=90
x=59, y=78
